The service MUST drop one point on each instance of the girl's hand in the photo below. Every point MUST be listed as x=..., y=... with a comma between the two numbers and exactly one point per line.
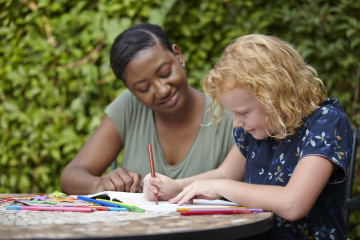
x=120, y=180
x=164, y=186
x=205, y=189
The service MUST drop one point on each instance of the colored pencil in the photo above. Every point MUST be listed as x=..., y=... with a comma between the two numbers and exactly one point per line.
x=48, y=208
x=253, y=210
x=98, y=208
x=152, y=169
x=130, y=207
x=211, y=212
x=102, y=203
x=116, y=209
x=181, y=209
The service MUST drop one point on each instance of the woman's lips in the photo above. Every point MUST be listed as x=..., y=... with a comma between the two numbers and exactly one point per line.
x=170, y=101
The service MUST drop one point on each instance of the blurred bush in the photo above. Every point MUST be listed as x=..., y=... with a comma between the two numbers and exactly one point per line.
x=55, y=78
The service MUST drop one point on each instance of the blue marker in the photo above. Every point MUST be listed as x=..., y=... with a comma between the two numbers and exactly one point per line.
x=116, y=209
x=103, y=203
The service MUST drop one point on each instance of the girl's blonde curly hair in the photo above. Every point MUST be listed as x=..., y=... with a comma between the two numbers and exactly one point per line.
x=274, y=72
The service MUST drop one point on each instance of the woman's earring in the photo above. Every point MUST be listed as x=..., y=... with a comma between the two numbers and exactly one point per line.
x=183, y=64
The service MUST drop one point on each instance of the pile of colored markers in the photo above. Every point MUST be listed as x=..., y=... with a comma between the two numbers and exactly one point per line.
x=74, y=204
x=112, y=205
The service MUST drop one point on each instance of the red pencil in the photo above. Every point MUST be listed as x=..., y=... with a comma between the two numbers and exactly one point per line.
x=152, y=168
x=210, y=212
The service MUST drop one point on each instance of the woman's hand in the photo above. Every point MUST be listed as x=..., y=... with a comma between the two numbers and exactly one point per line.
x=164, y=186
x=205, y=189
x=120, y=180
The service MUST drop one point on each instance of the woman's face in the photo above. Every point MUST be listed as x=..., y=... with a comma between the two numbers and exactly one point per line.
x=247, y=112
x=157, y=79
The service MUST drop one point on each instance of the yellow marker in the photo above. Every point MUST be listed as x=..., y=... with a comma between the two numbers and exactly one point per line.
x=124, y=205
x=130, y=205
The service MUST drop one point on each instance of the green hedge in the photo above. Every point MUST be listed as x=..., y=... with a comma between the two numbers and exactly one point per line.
x=55, y=78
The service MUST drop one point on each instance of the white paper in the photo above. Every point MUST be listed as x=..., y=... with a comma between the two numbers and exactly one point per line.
x=139, y=201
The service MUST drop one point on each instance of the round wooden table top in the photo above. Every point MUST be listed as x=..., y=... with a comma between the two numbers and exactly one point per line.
x=23, y=224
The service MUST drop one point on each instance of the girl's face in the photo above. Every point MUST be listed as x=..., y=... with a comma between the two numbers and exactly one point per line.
x=157, y=79
x=247, y=112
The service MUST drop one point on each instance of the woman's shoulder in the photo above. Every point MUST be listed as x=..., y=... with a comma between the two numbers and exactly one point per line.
x=125, y=107
x=125, y=100
x=125, y=95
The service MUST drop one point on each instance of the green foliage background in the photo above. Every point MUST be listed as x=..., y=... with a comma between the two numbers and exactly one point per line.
x=55, y=77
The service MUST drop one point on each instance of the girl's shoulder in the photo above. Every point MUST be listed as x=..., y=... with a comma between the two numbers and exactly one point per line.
x=327, y=132
x=330, y=113
x=329, y=107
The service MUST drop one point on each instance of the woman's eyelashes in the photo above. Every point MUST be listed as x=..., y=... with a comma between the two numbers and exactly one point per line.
x=166, y=75
x=144, y=87
x=144, y=90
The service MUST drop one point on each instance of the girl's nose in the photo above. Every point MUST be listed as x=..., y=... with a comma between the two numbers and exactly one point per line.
x=237, y=122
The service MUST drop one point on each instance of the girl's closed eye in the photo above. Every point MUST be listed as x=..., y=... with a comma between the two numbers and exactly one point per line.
x=241, y=113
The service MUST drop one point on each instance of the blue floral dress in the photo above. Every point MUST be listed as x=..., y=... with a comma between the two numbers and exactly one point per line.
x=326, y=132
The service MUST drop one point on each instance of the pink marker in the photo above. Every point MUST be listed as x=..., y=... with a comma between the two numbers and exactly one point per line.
x=210, y=212
x=41, y=208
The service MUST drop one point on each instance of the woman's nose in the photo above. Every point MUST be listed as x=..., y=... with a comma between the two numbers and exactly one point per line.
x=162, y=89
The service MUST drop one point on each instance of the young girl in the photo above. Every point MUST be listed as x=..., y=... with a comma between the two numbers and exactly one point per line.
x=292, y=146
x=158, y=107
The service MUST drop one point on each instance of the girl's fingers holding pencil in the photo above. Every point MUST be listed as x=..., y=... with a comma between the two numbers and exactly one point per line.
x=164, y=186
x=149, y=188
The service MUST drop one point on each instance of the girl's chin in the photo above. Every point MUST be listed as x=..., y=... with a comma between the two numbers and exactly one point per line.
x=251, y=131
x=257, y=135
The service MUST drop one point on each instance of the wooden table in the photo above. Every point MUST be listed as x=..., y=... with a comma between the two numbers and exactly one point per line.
x=22, y=224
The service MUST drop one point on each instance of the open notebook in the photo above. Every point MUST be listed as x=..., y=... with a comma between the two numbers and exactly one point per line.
x=139, y=201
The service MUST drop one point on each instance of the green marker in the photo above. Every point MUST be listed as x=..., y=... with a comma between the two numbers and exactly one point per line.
x=124, y=205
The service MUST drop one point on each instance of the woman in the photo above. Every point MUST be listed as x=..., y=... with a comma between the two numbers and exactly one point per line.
x=158, y=107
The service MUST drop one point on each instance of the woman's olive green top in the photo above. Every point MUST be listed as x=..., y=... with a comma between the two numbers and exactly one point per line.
x=136, y=126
